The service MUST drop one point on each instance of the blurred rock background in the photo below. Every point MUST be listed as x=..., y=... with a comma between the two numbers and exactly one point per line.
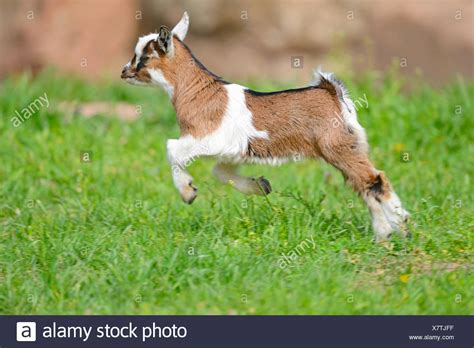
x=241, y=39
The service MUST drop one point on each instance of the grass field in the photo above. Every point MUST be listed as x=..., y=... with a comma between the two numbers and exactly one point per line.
x=113, y=237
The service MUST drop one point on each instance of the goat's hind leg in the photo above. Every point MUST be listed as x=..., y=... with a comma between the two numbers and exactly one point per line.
x=384, y=205
x=391, y=205
x=227, y=173
x=381, y=198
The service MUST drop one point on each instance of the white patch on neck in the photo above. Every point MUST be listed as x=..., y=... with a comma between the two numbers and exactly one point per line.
x=158, y=78
x=231, y=139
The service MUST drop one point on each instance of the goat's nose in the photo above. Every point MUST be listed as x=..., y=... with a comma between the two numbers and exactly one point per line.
x=123, y=73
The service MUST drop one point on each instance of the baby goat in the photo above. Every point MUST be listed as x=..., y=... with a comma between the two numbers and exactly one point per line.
x=238, y=125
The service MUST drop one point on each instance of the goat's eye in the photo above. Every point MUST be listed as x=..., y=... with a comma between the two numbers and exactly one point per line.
x=141, y=63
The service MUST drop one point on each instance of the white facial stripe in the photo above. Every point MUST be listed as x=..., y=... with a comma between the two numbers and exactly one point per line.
x=141, y=45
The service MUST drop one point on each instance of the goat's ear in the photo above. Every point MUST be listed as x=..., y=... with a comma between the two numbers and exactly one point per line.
x=164, y=40
x=181, y=28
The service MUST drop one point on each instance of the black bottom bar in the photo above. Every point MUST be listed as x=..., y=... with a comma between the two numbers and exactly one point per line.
x=236, y=331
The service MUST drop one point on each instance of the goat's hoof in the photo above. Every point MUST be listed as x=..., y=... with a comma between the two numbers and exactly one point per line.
x=189, y=193
x=264, y=185
x=383, y=238
x=404, y=229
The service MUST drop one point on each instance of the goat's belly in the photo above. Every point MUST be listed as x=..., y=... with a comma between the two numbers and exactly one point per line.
x=272, y=161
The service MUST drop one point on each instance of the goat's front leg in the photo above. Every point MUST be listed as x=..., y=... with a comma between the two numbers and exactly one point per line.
x=180, y=154
x=227, y=174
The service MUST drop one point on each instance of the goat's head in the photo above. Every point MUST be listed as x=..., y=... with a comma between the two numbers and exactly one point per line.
x=154, y=55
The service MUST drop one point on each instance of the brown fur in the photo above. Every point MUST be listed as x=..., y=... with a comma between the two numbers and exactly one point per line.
x=294, y=120
x=308, y=122
x=305, y=122
x=143, y=76
x=314, y=122
x=199, y=98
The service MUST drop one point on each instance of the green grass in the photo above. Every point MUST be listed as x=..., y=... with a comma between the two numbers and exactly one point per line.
x=113, y=237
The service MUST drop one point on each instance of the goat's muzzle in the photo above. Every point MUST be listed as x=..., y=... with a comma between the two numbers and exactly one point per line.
x=126, y=73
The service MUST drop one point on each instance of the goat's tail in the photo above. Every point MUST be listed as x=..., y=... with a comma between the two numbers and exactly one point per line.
x=336, y=87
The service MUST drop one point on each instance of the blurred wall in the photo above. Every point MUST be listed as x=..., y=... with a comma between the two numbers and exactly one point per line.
x=244, y=38
x=88, y=37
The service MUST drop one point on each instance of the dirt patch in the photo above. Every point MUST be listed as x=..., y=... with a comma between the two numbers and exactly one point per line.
x=122, y=111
